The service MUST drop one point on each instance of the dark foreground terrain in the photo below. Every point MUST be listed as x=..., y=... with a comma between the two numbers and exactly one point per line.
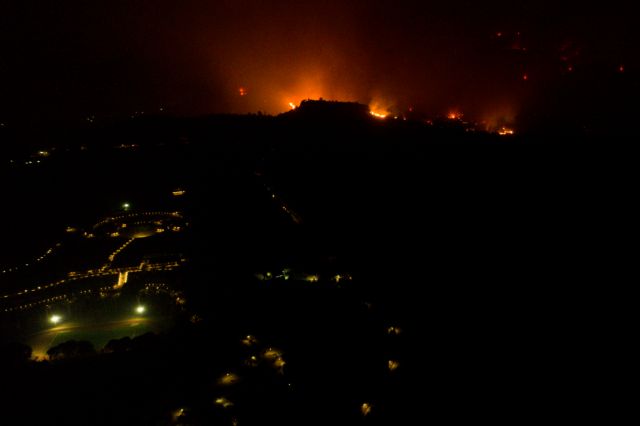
x=339, y=270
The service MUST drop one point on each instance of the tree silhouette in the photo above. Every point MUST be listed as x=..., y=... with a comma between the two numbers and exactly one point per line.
x=71, y=349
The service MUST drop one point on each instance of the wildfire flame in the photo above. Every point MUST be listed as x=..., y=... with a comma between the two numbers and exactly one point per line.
x=378, y=114
x=292, y=105
x=454, y=115
x=505, y=131
x=242, y=91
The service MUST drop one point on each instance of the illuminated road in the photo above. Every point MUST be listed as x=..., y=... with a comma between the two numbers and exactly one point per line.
x=38, y=294
x=154, y=218
x=38, y=259
x=76, y=276
x=143, y=218
x=295, y=217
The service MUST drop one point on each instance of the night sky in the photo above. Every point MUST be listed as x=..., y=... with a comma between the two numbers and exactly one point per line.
x=499, y=62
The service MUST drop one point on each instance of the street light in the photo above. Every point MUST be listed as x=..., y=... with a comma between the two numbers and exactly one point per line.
x=126, y=206
x=140, y=309
x=55, y=319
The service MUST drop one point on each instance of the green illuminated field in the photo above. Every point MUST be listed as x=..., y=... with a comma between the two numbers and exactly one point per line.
x=98, y=334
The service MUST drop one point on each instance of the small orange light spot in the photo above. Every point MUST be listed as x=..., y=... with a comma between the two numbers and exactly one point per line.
x=242, y=91
x=292, y=105
x=454, y=115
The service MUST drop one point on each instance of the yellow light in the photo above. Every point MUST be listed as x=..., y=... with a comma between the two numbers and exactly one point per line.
x=394, y=330
x=279, y=363
x=228, y=379
x=378, y=114
x=272, y=353
x=365, y=408
x=140, y=309
x=177, y=414
x=393, y=365
x=55, y=319
x=249, y=340
x=292, y=105
x=338, y=278
x=224, y=402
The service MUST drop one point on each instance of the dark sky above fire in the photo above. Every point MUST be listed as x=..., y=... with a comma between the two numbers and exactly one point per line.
x=492, y=61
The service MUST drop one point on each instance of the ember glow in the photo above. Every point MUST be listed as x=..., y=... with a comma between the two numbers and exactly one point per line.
x=505, y=131
x=380, y=107
x=454, y=115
